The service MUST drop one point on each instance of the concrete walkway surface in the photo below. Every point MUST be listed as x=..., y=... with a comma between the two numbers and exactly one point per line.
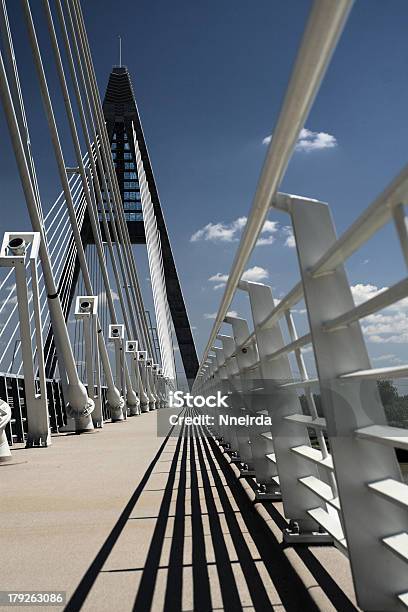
x=123, y=520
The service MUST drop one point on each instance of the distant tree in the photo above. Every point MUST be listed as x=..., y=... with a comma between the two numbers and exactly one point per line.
x=388, y=392
x=305, y=406
x=395, y=406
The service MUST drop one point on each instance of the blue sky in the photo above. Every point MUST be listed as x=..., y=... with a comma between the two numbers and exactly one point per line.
x=209, y=79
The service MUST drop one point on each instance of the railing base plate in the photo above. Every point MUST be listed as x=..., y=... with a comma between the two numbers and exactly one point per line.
x=247, y=473
x=268, y=496
x=225, y=446
x=313, y=537
x=235, y=460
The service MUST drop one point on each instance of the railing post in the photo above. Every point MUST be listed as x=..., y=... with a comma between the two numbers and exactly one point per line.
x=210, y=383
x=286, y=434
x=246, y=357
x=233, y=386
x=161, y=386
x=144, y=394
x=379, y=574
x=116, y=334
x=131, y=350
x=325, y=475
x=212, y=378
x=86, y=309
x=150, y=384
x=223, y=388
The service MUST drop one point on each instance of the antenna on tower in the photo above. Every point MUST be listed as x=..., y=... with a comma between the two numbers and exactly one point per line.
x=120, y=51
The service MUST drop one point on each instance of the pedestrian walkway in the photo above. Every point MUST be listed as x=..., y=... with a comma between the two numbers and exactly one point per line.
x=124, y=520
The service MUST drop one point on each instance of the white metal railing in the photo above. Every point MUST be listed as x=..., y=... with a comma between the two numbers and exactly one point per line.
x=335, y=469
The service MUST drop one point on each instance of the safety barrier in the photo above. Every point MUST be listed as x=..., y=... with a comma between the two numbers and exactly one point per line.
x=12, y=392
x=334, y=466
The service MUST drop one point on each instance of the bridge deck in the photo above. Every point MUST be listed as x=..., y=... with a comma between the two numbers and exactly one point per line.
x=122, y=520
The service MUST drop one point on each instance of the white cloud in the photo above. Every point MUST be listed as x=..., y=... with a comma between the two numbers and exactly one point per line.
x=268, y=232
x=388, y=326
x=310, y=141
x=219, y=279
x=220, y=232
x=210, y=315
x=362, y=293
x=270, y=227
x=232, y=313
x=389, y=358
x=255, y=274
x=289, y=237
x=262, y=241
x=230, y=232
x=213, y=315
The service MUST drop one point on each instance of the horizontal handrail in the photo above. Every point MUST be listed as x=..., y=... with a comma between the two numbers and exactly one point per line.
x=378, y=373
x=369, y=222
x=378, y=302
x=288, y=348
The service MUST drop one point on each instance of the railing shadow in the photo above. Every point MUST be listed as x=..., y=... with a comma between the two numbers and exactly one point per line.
x=292, y=592
x=81, y=592
x=197, y=466
x=278, y=566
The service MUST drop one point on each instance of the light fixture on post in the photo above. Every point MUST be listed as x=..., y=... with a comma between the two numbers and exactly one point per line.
x=161, y=383
x=150, y=384
x=155, y=368
x=117, y=336
x=144, y=394
x=131, y=350
x=86, y=310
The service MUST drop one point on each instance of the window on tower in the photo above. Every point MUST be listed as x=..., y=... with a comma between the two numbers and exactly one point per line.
x=130, y=195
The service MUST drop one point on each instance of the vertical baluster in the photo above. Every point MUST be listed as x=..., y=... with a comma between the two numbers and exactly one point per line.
x=279, y=403
x=367, y=518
